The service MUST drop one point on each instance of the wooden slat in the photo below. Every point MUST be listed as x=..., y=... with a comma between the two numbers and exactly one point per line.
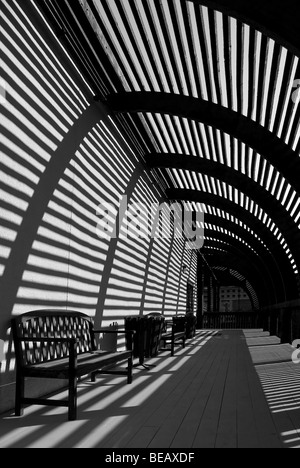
x=289, y=113
x=217, y=150
x=226, y=33
x=251, y=72
x=165, y=31
x=213, y=38
x=119, y=36
x=200, y=136
x=273, y=78
x=170, y=133
x=193, y=52
x=203, y=51
x=153, y=133
x=162, y=132
x=239, y=67
x=157, y=44
x=261, y=78
x=210, y=142
x=142, y=139
x=192, y=130
x=177, y=133
x=224, y=148
x=109, y=41
x=296, y=123
x=134, y=44
x=111, y=73
x=186, y=137
x=180, y=46
x=146, y=43
x=282, y=96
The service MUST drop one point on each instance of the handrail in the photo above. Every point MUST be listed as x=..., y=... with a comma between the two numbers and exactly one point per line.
x=283, y=321
x=230, y=320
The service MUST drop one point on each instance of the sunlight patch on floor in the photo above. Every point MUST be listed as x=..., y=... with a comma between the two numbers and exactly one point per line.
x=100, y=432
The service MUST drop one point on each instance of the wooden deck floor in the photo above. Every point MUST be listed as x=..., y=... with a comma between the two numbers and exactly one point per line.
x=211, y=395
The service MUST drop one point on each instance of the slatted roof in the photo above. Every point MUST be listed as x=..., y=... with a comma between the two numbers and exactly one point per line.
x=203, y=92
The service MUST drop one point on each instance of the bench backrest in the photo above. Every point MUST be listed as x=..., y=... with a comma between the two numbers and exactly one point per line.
x=51, y=324
x=191, y=325
x=148, y=331
x=179, y=324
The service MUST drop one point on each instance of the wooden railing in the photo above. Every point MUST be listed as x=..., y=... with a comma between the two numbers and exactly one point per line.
x=282, y=321
x=231, y=321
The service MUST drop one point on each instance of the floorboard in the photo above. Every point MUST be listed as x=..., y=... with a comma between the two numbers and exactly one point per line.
x=227, y=389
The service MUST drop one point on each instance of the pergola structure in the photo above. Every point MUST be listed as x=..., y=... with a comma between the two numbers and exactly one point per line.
x=205, y=94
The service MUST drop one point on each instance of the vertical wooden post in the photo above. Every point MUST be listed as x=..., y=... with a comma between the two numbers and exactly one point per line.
x=209, y=285
x=216, y=297
x=73, y=381
x=200, y=292
x=286, y=334
x=20, y=393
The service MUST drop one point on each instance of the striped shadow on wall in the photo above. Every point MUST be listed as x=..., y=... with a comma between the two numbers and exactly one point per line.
x=61, y=156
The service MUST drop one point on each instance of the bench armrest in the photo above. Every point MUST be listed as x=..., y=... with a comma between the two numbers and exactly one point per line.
x=130, y=334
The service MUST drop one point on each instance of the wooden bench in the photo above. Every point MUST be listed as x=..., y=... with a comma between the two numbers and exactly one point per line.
x=177, y=335
x=61, y=345
x=191, y=325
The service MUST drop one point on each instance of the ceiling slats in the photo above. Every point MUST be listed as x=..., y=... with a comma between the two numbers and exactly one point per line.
x=184, y=48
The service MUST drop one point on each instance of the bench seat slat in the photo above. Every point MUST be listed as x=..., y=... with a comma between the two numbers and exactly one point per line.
x=87, y=363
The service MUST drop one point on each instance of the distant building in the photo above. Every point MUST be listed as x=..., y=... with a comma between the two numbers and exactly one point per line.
x=232, y=299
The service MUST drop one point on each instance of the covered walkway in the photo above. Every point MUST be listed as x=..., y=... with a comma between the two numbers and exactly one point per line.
x=149, y=165
x=211, y=395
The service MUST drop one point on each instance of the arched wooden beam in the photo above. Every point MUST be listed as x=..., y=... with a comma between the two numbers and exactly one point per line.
x=244, y=254
x=226, y=279
x=233, y=263
x=267, y=257
x=240, y=213
x=244, y=184
x=281, y=156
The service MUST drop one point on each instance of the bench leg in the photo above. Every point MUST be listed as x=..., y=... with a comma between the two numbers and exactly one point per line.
x=130, y=368
x=93, y=377
x=183, y=344
x=72, y=398
x=173, y=349
x=20, y=393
